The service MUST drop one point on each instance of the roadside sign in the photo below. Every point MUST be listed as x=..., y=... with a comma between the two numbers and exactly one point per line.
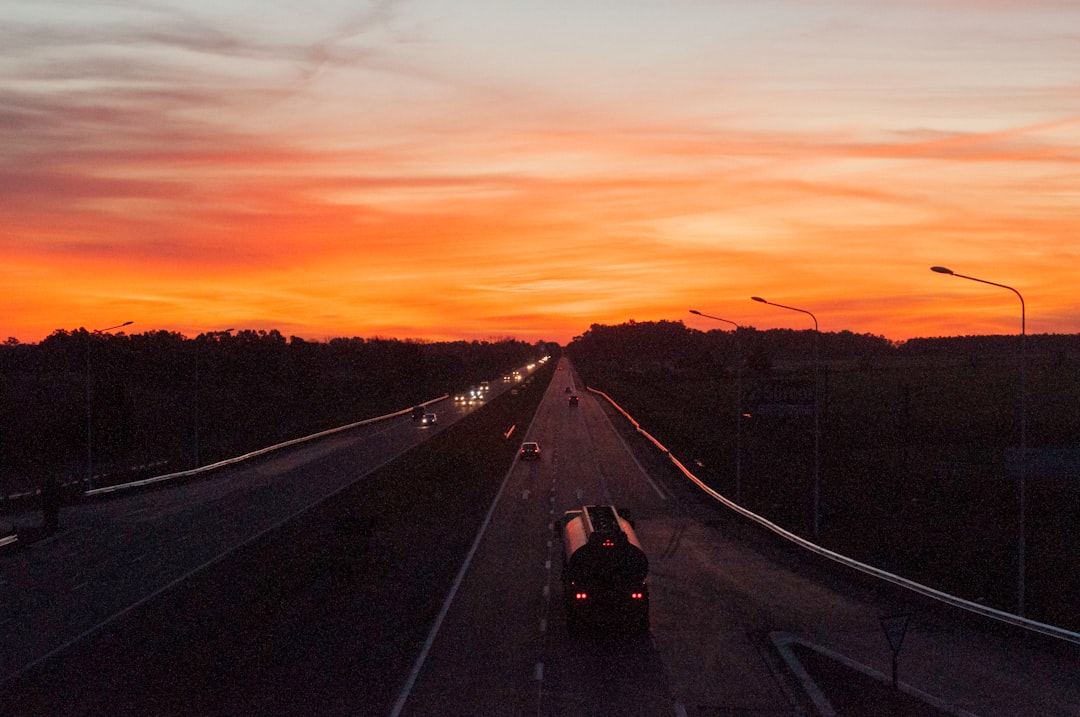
x=787, y=396
x=895, y=627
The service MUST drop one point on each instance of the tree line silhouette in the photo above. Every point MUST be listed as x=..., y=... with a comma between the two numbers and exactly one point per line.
x=156, y=402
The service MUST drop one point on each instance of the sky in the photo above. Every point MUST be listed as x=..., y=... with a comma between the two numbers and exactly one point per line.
x=457, y=169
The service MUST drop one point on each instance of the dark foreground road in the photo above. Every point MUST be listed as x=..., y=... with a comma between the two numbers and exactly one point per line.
x=328, y=614
x=187, y=599
x=721, y=588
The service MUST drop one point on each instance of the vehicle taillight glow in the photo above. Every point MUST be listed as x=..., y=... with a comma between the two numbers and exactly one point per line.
x=581, y=596
x=637, y=596
x=608, y=543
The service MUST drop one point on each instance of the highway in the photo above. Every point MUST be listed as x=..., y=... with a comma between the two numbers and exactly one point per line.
x=507, y=615
x=374, y=622
x=121, y=550
x=719, y=590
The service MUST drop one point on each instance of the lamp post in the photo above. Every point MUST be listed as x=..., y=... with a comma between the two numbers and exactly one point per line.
x=196, y=401
x=1022, y=539
x=817, y=410
x=738, y=408
x=89, y=406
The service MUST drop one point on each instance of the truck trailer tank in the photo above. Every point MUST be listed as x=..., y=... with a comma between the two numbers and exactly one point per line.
x=604, y=572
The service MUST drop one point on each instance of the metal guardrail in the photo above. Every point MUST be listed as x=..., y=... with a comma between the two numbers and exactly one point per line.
x=1001, y=615
x=104, y=490
x=238, y=459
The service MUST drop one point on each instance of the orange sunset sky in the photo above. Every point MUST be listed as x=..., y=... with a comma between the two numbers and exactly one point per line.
x=476, y=170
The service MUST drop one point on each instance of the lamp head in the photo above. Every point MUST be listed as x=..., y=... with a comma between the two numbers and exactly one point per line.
x=758, y=298
x=941, y=269
x=695, y=311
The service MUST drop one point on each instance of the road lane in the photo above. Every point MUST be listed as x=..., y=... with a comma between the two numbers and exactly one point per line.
x=720, y=587
x=114, y=552
x=766, y=584
x=504, y=649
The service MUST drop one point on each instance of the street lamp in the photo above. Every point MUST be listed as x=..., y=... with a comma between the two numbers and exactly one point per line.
x=1022, y=540
x=817, y=411
x=738, y=407
x=196, y=401
x=89, y=413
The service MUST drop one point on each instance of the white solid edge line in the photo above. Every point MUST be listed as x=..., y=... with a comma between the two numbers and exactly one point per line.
x=406, y=689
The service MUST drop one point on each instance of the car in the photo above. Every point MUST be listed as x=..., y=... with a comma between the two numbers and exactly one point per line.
x=530, y=450
x=417, y=413
x=573, y=400
x=429, y=419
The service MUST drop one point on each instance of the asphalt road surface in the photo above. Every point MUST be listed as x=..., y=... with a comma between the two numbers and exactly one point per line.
x=116, y=552
x=719, y=588
x=718, y=591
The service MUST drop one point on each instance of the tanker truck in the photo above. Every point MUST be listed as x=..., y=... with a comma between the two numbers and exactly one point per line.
x=604, y=572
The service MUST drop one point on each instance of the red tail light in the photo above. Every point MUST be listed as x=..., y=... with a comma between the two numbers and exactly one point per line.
x=637, y=596
x=581, y=596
